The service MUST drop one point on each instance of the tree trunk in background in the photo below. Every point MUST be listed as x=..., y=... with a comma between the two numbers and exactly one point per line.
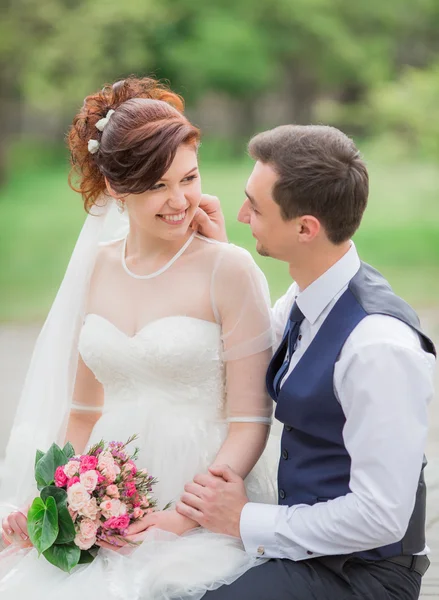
x=300, y=93
x=10, y=104
x=246, y=122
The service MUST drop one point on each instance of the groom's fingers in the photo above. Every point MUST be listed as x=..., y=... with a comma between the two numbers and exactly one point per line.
x=225, y=472
x=195, y=489
x=190, y=512
x=193, y=501
x=206, y=480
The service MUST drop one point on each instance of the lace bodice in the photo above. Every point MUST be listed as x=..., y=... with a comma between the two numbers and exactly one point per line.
x=174, y=360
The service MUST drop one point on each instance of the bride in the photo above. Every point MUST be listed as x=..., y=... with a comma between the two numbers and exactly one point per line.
x=155, y=330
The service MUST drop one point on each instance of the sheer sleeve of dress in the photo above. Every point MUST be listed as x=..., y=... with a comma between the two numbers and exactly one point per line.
x=241, y=304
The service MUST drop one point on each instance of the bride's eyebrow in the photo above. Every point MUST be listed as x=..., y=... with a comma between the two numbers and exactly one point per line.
x=188, y=173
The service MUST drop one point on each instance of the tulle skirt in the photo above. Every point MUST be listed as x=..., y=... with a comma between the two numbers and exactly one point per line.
x=173, y=447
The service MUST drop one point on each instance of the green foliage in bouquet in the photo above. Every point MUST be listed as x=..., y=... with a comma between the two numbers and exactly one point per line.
x=50, y=526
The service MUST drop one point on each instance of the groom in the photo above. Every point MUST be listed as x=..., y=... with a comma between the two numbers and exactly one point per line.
x=351, y=378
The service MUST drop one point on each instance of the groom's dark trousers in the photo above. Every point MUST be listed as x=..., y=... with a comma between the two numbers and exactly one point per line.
x=326, y=578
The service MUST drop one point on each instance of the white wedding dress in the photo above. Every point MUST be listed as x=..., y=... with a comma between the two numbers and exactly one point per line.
x=176, y=381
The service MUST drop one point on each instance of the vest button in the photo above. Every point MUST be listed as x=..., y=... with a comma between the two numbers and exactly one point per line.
x=282, y=494
x=309, y=552
x=285, y=454
x=288, y=428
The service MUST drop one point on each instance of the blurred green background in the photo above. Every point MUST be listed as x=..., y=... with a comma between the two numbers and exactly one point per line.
x=370, y=68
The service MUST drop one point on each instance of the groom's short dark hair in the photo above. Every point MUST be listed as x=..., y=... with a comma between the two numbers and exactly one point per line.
x=321, y=174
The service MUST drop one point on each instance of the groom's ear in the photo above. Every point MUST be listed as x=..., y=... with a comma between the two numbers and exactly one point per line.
x=308, y=228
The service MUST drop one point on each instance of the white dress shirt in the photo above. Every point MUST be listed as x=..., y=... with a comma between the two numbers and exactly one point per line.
x=384, y=382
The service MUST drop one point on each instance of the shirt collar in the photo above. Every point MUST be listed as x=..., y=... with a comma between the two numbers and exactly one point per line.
x=316, y=297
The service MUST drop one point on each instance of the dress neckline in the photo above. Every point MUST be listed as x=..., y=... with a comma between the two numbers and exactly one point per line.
x=162, y=269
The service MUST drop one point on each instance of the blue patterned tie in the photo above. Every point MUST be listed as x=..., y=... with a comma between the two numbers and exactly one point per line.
x=292, y=332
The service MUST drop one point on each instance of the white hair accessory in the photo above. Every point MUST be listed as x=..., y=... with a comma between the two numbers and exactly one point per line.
x=101, y=124
x=93, y=146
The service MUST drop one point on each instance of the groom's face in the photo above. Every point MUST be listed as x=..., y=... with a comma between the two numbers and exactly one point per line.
x=273, y=234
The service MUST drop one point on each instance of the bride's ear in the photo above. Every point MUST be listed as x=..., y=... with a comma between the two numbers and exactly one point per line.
x=110, y=189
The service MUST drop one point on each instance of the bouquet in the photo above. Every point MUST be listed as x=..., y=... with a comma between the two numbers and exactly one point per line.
x=86, y=498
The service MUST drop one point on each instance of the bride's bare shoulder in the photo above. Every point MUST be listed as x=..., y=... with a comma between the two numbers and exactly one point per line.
x=226, y=254
x=108, y=254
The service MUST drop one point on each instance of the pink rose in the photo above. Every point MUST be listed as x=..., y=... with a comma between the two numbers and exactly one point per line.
x=72, y=481
x=130, y=466
x=83, y=543
x=108, y=467
x=138, y=512
x=89, y=480
x=110, y=474
x=72, y=468
x=72, y=513
x=112, y=490
x=88, y=463
x=88, y=529
x=121, y=522
x=90, y=510
x=60, y=477
x=77, y=496
x=131, y=489
x=112, y=508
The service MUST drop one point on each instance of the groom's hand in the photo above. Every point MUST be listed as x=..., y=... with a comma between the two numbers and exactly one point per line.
x=209, y=219
x=215, y=500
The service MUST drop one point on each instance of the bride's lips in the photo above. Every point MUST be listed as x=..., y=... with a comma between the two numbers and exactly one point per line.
x=173, y=219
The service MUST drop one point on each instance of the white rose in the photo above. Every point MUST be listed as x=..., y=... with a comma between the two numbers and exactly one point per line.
x=88, y=529
x=77, y=496
x=89, y=480
x=90, y=509
x=112, y=508
x=84, y=543
x=72, y=468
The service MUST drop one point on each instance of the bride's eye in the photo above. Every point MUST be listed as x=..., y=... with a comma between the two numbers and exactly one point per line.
x=157, y=186
x=190, y=178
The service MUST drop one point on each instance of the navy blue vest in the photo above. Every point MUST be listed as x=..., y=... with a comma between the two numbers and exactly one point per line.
x=314, y=464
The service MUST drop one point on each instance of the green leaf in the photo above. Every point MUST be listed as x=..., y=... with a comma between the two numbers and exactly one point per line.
x=58, y=494
x=42, y=523
x=47, y=465
x=67, y=531
x=86, y=557
x=68, y=450
x=64, y=557
x=39, y=454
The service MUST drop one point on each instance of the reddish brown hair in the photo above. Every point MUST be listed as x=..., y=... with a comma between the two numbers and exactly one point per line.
x=137, y=145
x=321, y=173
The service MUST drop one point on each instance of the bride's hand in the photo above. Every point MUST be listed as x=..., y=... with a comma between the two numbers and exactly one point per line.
x=167, y=520
x=14, y=528
x=209, y=219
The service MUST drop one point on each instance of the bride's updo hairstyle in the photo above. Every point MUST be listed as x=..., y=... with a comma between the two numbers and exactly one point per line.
x=134, y=146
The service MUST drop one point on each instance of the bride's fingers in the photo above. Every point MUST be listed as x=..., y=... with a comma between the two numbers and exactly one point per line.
x=18, y=524
x=106, y=545
x=6, y=527
x=142, y=524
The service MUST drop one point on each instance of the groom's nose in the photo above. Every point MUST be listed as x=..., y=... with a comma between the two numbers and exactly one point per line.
x=244, y=213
